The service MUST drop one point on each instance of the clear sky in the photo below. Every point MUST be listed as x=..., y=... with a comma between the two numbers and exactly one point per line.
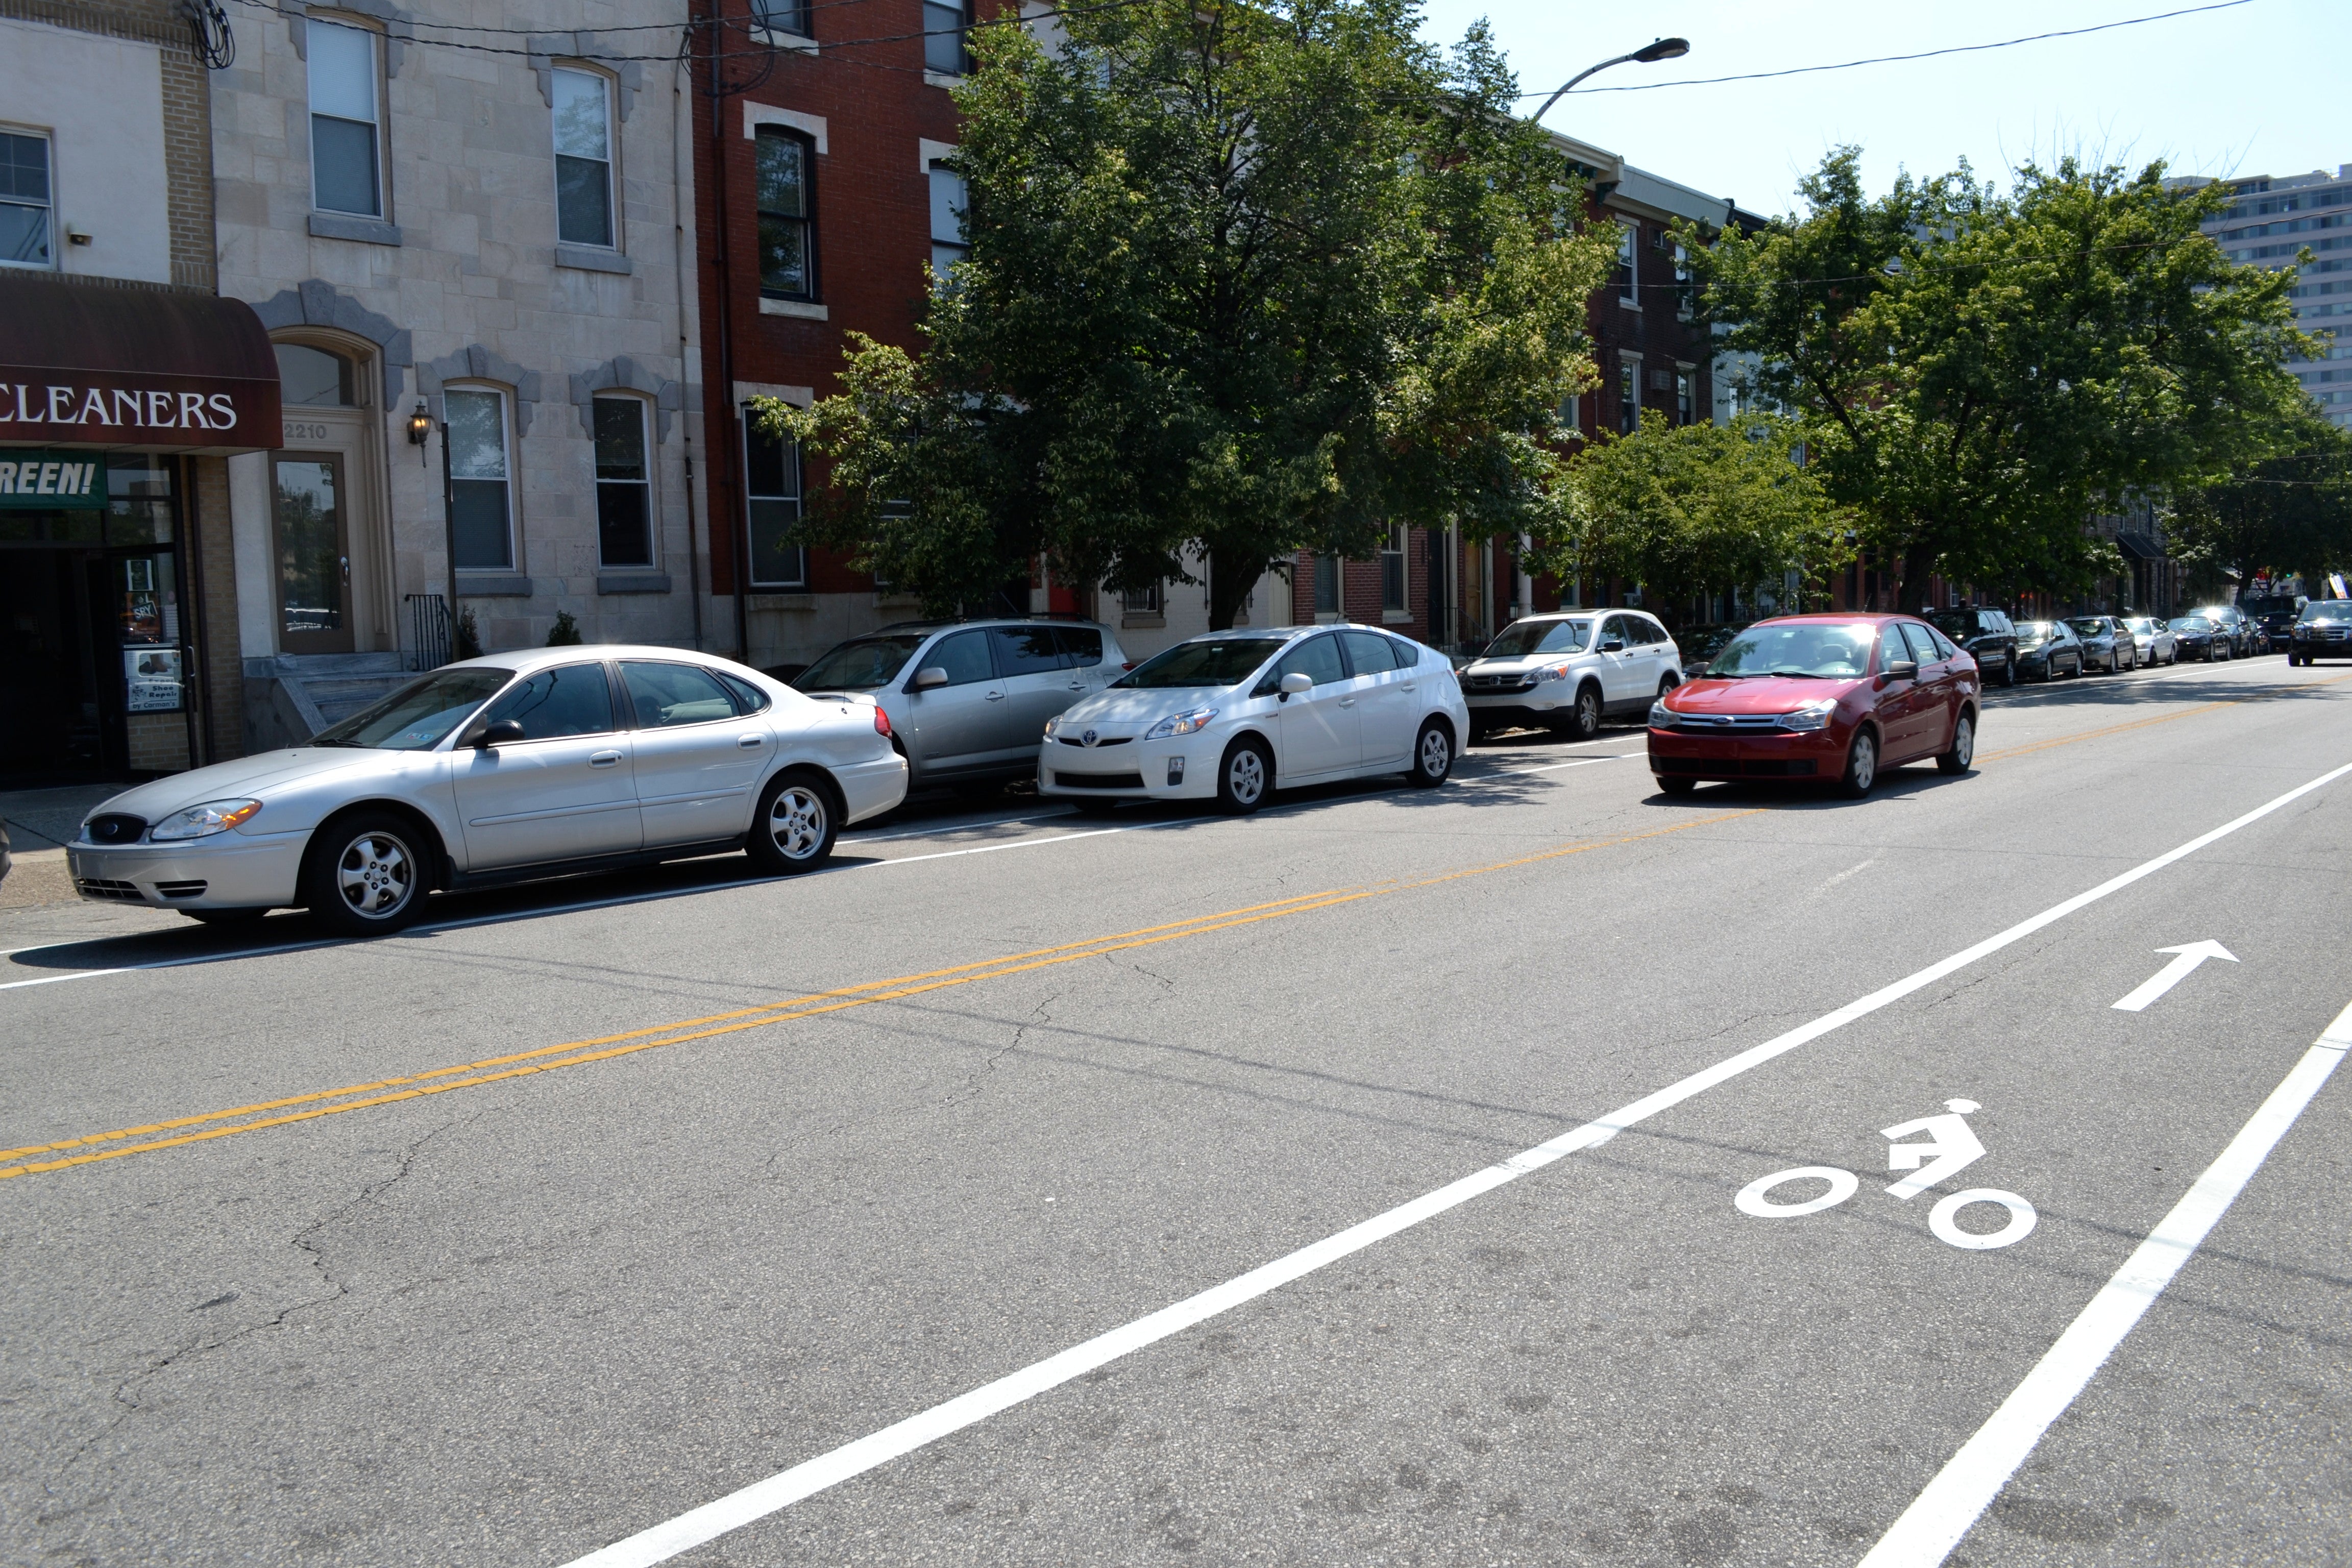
x=2265, y=88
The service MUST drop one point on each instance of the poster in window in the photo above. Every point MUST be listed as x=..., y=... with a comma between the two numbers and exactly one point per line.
x=151, y=679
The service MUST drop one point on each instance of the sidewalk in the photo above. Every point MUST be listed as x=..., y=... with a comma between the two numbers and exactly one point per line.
x=40, y=822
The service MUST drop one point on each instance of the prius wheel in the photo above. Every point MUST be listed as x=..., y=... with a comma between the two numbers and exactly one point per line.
x=1964, y=746
x=1861, y=765
x=1245, y=777
x=364, y=876
x=1433, y=756
x=793, y=830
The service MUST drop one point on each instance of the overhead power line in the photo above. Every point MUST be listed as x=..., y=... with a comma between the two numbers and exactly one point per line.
x=1922, y=55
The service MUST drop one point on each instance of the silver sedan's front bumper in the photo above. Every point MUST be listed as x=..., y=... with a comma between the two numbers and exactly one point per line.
x=228, y=871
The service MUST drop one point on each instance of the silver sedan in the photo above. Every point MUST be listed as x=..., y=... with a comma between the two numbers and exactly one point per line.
x=506, y=768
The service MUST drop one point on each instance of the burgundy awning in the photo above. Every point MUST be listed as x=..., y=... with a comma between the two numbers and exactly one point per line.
x=131, y=368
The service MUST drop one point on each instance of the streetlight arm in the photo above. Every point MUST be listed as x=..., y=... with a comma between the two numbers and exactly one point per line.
x=1589, y=70
x=1648, y=54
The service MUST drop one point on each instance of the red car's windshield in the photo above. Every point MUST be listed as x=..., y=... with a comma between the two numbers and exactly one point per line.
x=1822, y=650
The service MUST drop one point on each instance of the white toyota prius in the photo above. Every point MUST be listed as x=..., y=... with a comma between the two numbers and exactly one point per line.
x=1231, y=716
x=517, y=765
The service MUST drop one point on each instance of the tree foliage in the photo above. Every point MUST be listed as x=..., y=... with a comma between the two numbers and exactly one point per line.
x=1245, y=279
x=1981, y=369
x=1693, y=509
x=2285, y=507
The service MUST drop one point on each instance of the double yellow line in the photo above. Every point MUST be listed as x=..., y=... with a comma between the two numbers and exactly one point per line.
x=186, y=1130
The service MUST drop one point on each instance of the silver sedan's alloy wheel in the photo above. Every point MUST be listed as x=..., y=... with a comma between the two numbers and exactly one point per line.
x=796, y=822
x=1246, y=776
x=376, y=875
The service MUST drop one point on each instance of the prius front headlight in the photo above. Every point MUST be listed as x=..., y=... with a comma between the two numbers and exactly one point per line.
x=1184, y=723
x=204, y=821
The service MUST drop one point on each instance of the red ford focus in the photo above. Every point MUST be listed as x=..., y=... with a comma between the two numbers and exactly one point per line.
x=1836, y=699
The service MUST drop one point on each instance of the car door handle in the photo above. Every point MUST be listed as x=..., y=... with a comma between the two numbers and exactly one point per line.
x=1347, y=703
x=602, y=759
x=1406, y=684
x=996, y=697
x=750, y=742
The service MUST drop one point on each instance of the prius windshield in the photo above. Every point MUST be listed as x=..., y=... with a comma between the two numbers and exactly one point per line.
x=1220, y=661
x=1521, y=638
x=416, y=717
x=1809, y=649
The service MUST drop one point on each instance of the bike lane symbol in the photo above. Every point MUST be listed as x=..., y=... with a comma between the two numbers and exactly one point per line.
x=1950, y=1147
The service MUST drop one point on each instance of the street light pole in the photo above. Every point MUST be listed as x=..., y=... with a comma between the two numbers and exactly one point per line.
x=1662, y=49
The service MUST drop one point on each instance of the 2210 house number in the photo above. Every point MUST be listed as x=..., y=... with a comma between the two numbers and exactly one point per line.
x=295, y=432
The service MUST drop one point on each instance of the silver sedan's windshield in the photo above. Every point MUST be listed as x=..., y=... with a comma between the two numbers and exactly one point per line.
x=416, y=717
x=1828, y=652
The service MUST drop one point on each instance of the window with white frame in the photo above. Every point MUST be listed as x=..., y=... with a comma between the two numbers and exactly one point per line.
x=1629, y=264
x=346, y=152
x=1327, y=578
x=943, y=27
x=782, y=16
x=481, y=485
x=1683, y=288
x=624, y=511
x=25, y=200
x=1144, y=601
x=786, y=161
x=948, y=204
x=1629, y=395
x=1686, y=396
x=771, y=490
x=584, y=158
x=1392, y=582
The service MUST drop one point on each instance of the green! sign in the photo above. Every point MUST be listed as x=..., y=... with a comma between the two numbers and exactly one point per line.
x=32, y=480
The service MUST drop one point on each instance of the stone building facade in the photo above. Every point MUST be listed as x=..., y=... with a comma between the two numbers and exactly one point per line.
x=466, y=229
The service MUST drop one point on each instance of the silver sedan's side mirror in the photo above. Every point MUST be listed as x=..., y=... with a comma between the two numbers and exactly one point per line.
x=499, y=732
x=1295, y=683
x=929, y=677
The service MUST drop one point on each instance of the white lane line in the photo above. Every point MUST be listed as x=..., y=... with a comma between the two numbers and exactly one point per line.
x=712, y=1520
x=1942, y=1515
x=1554, y=767
x=943, y=829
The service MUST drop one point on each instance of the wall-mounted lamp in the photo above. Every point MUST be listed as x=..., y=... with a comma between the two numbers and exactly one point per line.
x=420, y=429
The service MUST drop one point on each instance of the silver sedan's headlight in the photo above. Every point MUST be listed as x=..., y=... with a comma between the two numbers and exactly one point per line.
x=204, y=821
x=1811, y=716
x=1183, y=723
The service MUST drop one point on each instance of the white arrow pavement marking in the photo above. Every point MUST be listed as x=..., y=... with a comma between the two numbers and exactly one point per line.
x=1940, y=1516
x=2173, y=974
x=669, y=1539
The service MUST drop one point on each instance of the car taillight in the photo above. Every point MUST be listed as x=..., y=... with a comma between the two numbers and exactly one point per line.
x=1128, y=666
x=881, y=721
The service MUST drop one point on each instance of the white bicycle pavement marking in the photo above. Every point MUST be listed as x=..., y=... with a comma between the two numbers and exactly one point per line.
x=1942, y=1514
x=669, y=1539
x=2173, y=974
x=1951, y=1147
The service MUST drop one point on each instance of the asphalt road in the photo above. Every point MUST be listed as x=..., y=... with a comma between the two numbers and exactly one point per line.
x=745, y=1171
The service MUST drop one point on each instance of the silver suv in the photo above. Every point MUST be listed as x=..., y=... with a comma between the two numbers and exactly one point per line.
x=968, y=700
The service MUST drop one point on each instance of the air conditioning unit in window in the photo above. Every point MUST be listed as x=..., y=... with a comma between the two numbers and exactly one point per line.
x=1662, y=381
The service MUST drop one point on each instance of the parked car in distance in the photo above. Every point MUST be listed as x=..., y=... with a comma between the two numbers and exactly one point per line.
x=1985, y=635
x=2107, y=644
x=2278, y=628
x=2323, y=630
x=1232, y=716
x=1830, y=697
x=1699, y=644
x=545, y=761
x=2046, y=648
x=967, y=700
x=2152, y=640
x=2233, y=623
x=2199, y=638
x=1567, y=670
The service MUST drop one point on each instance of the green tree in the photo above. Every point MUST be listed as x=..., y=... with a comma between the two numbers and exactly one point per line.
x=1695, y=509
x=1981, y=370
x=1245, y=279
x=2285, y=505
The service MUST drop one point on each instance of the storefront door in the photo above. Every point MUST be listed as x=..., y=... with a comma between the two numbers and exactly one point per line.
x=312, y=552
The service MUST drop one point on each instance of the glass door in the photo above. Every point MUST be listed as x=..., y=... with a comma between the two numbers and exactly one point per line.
x=313, y=553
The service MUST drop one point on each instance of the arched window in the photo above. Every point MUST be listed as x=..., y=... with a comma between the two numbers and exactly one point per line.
x=624, y=534
x=315, y=378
